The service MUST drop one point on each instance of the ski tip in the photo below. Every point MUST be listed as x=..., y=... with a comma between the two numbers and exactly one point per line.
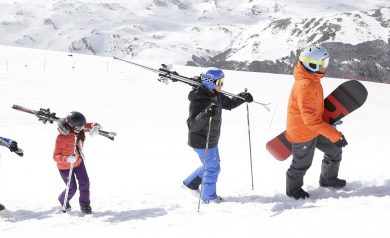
x=266, y=107
x=112, y=136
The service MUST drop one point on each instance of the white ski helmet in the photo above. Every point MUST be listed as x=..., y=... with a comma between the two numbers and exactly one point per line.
x=313, y=57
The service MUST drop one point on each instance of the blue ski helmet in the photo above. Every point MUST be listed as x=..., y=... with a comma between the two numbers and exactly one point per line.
x=212, y=77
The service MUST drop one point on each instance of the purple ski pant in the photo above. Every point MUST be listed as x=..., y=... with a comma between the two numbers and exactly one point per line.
x=82, y=177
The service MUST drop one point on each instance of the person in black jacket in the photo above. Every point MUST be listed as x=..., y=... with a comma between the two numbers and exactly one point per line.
x=206, y=102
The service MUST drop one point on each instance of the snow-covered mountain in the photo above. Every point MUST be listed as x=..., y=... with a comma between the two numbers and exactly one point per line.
x=254, y=35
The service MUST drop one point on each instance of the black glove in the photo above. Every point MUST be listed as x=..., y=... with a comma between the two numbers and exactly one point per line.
x=211, y=110
x=342, y=142
x=13, y=146
x=247, y=96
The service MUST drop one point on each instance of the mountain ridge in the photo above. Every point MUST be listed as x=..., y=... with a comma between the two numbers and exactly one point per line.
x=204, y=32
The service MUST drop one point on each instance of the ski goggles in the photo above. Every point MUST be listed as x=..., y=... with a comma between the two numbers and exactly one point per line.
x=322, y=62
x=79, y=128
x=218, y=82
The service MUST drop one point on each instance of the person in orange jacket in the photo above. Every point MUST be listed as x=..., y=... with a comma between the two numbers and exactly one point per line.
x=307, y=130
x=70, y=129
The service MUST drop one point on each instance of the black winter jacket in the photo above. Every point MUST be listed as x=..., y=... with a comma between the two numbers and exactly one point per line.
x=198, y=122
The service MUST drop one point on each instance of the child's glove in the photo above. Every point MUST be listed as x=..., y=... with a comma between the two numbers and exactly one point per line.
x=95, y=129
x=211, y=110
x=247, y=96
x=342, y=142
x=13, y=146
x=71, y=159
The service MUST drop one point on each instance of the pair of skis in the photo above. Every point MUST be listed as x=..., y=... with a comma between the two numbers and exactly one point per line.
x=44, y=115
x=165, y=73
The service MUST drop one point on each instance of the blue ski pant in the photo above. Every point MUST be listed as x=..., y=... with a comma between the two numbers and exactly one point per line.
x=210, y=177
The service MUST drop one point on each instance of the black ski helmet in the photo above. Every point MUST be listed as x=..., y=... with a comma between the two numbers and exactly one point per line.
x=76, y=120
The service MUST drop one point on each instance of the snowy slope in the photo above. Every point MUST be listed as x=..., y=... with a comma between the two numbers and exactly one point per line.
x=178, y=29
x=276, y=39
x=135, y=180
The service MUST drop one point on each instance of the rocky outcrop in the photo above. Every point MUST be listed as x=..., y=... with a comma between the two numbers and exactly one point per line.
x=368, y=61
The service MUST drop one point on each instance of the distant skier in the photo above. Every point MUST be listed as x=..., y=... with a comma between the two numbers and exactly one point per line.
x=13, y=147
x=206, y=102
x=69, y=128
x=307, y=130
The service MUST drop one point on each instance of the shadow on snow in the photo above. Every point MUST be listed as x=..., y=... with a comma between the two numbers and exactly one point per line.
x=283, y=203
x=121, y=216
x=23, y=215
x=107, y=216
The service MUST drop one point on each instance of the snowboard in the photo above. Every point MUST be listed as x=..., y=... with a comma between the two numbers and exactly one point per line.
x=345, y=99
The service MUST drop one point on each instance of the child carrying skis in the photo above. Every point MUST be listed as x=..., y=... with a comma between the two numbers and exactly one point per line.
x=68, y=150
x=206, y=104
x=13, y=147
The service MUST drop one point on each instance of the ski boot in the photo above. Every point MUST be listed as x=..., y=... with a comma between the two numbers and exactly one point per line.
x=86, y=209
x=216, y=200
x=193, y=192
x=338, y=183
x=68, y=208
x=299, y=194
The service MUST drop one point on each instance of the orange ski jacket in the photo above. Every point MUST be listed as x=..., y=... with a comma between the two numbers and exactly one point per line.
x=305, y=108
x=64, y=148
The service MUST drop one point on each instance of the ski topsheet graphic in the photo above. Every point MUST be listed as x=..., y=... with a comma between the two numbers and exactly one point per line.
x=345, y=99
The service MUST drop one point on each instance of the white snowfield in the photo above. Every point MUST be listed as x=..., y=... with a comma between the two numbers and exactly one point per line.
x=136, y=179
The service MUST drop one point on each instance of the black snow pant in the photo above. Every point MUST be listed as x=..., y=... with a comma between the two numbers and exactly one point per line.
x=303, y=154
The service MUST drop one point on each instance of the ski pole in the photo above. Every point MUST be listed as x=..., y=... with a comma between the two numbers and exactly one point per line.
x=206, y=150
x=69, y=177
x=190, y=81
x=250, y=143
